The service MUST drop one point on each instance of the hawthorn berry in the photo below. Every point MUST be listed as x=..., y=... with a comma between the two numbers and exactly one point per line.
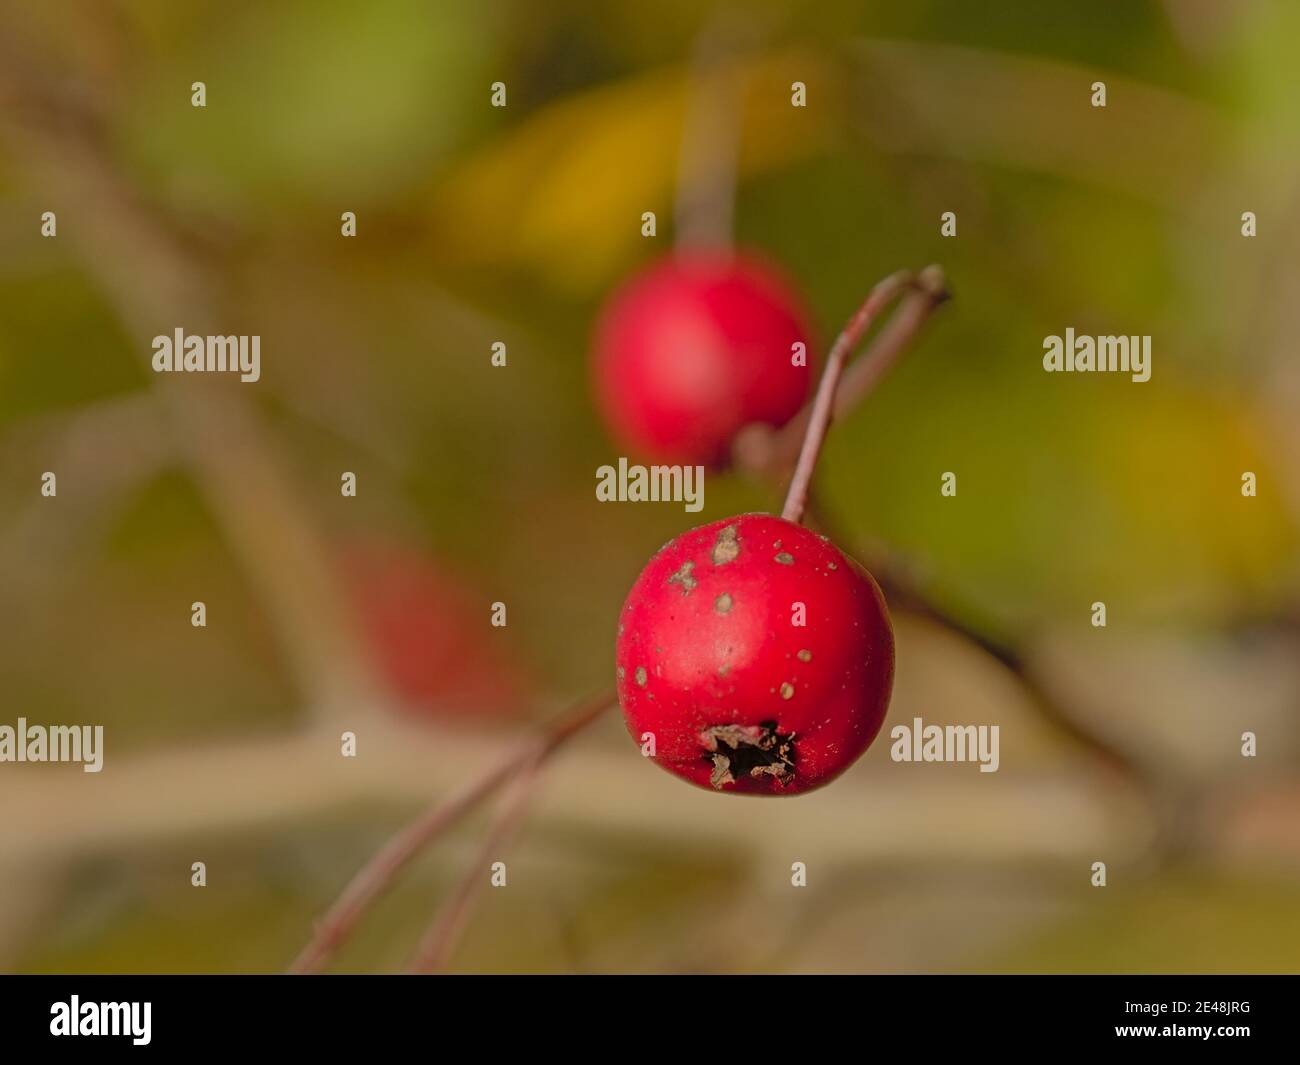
x=425, y=634
x=757, y=655
x=695, y=348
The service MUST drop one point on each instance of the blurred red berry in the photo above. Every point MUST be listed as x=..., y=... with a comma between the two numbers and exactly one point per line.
x=695, y=348
x=713, y=662
x=429, y=635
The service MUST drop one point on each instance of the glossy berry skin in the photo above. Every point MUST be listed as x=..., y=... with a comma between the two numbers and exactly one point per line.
x=692, y=350
x=737, y=696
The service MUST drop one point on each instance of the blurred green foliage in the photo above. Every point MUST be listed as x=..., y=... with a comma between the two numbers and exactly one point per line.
x=478, y=225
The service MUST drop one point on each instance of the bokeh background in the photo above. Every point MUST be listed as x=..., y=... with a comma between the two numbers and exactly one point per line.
x=476, y=484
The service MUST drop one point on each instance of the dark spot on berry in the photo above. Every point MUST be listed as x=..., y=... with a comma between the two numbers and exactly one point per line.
x=748, y=750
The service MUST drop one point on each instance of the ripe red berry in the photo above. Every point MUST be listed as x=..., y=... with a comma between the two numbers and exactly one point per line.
x=739, y=696
x=428, y=635
x=694, y=349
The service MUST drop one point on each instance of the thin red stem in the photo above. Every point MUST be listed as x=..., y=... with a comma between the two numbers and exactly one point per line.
x=439, y=941
x=824, y=404
x=377, y=875
x=927, y=291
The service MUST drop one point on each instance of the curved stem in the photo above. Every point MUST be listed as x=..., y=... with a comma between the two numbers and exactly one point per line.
x=823, y=407
x=439, y=941
x=377, y=875
x=927, y=291
x=769, y=453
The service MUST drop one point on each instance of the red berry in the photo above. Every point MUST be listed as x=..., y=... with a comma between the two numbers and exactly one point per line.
x=694, y=349
x=737, y=695
x=429, y=636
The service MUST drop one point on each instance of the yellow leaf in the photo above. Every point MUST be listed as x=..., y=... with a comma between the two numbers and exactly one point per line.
x=563, y=192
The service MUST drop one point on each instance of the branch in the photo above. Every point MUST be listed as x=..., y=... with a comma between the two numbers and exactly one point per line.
x=706, y=170
x=769, y=453
x=438, y=942
x=377, y=876
x=215, y=427
x=825, y=403
x=841, y=390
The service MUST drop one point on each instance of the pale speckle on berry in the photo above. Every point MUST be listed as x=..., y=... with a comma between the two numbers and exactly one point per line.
x=726, y=547
x=723, y=603
x=684, y=578
x=787, y=690
x=805, y=655
x=641, y=676
x=785, y=558
x=831, y=565
x=621, y=673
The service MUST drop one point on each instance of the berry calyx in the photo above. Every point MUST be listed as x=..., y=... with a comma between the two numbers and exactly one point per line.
x=695, y=348
x=757, y=655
